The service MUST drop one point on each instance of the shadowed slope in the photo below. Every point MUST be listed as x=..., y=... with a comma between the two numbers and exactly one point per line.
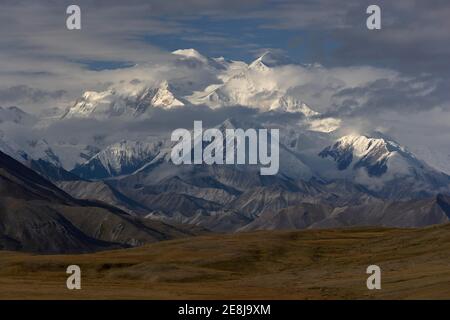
x=37, y=216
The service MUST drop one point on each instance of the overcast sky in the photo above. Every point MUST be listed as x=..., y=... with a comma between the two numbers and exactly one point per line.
x=407, y=64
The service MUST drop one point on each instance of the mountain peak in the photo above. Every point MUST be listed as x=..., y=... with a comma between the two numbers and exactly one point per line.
x=15, y=114
x=191, y=54
x=229, y=123
x=291, y=104
x=165, y=98
x=374, y=154
x=360, y=144
x=270, y=59
x=164, y=85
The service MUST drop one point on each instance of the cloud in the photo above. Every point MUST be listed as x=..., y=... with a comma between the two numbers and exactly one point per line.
x=23, y=94
x=401, y=95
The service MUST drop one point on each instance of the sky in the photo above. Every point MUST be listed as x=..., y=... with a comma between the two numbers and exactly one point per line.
x=405, y=65
x=36, y=47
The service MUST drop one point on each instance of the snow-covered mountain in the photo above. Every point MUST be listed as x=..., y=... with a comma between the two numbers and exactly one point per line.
x=254, y=86
x=353, y=152
x=193, y=58
x=164, y=98
x=384, y=167
x=12, y=150
x=288, y=103
x=128, y=102
x=290, y=163
x=117, y=159
x=39, y=156
x=30, y=150
x=237, y=83
x=270, y=60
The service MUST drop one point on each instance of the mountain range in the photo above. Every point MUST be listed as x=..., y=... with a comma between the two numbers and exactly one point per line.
x=328, y=177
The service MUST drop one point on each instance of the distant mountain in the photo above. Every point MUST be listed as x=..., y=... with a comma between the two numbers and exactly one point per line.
x=16, y=115
x=11, y=149
x=290, y=164
x=132, y=102
x=252, y=86
x=38, y=156
x=102, y=191
x=164, y=97
x=406, y=214
x=52, y=172
x=193, y=59
x=384, y=167
x=288, y=103
x=118, y=159
x=241, y=85
x=270, y=59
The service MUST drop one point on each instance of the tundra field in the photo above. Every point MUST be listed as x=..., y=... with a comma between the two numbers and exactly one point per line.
x=312, y=264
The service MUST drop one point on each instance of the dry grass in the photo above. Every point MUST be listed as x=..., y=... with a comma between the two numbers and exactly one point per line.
x=325, y=264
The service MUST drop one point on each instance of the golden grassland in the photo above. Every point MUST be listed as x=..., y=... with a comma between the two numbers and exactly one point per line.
x=311, y=264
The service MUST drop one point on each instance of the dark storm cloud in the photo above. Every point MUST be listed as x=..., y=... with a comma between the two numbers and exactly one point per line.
x=414, y=33
x=414, y=37
x=404, y=96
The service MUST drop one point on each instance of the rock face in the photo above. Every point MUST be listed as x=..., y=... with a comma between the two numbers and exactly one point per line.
x=37, y=216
